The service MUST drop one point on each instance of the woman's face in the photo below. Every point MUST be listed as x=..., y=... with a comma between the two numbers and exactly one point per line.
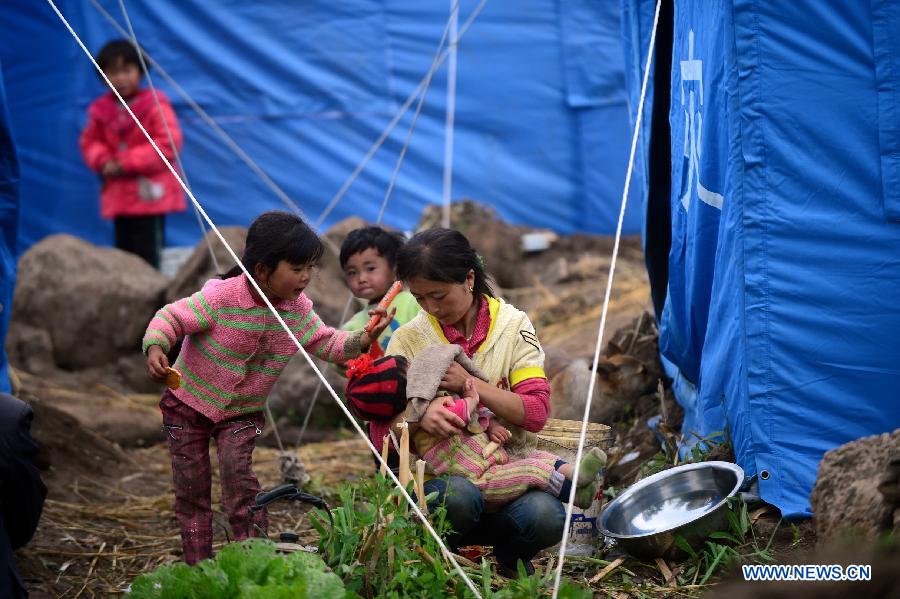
x=447, y=302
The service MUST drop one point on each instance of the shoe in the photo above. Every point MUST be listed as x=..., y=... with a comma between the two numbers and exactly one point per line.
x=512, y=572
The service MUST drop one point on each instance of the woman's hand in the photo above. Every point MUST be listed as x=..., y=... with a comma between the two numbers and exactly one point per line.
x=454, y=380
x=440, y=422
x=157, y=362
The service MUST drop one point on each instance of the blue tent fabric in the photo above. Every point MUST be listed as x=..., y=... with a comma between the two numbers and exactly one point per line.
x=784, y=272
x=9, y=217
x=542, y=126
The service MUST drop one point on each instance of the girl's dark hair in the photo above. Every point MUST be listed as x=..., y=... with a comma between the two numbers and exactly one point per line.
x=117, y=50
x=275, y=236
x=442, y=255
x=385, y=242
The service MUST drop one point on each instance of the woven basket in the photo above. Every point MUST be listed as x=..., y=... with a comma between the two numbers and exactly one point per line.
x=562, y=435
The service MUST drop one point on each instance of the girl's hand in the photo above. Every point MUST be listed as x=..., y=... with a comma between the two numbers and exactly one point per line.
x=111, y=168
x=454, y=380
x=384, y=319
x=440, y=422
x=157, y=362
x=498, y=433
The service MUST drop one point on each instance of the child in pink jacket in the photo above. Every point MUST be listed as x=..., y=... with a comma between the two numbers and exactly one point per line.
x=138, y=189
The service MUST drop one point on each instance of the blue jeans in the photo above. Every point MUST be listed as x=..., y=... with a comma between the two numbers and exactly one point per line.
x=519, y=530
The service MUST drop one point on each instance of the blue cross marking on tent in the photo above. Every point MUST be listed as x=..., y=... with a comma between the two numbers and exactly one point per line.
x=692, y=70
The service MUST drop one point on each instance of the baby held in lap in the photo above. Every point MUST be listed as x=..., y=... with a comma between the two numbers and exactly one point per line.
x=479, y=452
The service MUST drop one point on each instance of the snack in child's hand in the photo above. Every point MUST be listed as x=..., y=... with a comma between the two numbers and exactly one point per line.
x=173, y=378
x=384, y=303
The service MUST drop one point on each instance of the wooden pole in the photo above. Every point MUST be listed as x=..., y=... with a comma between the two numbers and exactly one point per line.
x=404, y=453
x=385, y=445
x=420, y=485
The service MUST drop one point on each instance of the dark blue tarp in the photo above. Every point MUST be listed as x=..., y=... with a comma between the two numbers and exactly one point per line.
x=9, y=217
x=784, y=265
x=542, y=127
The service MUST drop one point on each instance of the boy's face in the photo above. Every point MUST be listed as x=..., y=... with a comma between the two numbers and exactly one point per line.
x=369, y=275
x=125, y=77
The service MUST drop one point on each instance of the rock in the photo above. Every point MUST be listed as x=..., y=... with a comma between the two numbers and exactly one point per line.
x=131, y=371
x=94, y=302
x=30, y=348
x=199, y=267
x=498, y=242
x=328, y=291
x=293, y=394
x=67, y=447
x=621, y=381
x=640, y=340
x=846, y=498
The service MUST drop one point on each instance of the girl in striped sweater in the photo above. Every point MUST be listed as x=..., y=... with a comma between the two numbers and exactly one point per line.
x=233, y=352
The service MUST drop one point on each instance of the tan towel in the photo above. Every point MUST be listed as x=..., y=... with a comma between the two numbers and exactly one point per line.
x=425, y=373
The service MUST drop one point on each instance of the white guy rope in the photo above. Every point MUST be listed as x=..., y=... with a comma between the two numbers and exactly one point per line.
x=269, y=305
x=449, y=28
x=609, y=282
x=454, y=11
x=373, y=149
x=315, y=398
x=162, y=116
x=451, y=115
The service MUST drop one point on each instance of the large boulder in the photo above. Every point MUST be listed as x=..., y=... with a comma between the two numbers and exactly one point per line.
x=857, y=491
x=95, y=303
x=498, y=242
x=199, y=267
x=628, y=370
x=621, y=381
x=30, y=348
x=293, y=393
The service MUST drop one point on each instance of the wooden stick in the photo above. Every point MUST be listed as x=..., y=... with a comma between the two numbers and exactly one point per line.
x=489, y=449
x=605, y=571
x=666, y=572
x=385, y=445
x=404, y=453
x=420, y=485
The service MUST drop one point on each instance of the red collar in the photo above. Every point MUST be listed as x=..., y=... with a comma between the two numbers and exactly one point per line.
x=479, y=334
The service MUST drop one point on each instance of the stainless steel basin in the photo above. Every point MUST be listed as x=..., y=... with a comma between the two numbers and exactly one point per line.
x=688, y=500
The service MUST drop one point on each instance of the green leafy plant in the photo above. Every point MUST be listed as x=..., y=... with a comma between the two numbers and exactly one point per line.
x=380, y=549
x=739, y=544
x=378, y=546
x=243, y=570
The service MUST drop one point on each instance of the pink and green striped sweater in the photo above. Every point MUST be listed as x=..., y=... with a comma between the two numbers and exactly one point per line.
x=234, y=349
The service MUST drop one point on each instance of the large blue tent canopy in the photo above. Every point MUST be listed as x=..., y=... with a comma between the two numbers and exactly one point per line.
x=541, y=125
x=783, y=274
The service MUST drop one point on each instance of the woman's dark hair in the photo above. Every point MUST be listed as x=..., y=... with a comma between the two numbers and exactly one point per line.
x=442, y=255
x=385, y=242
x=117, y=50
x=275, y=236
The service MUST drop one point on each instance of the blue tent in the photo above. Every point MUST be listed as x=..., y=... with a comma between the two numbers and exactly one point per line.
x=779, y=210
x=9, y=219
x=541, y=126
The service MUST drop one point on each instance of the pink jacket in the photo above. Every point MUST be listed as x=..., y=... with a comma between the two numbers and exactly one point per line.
x=146, y=187
x=234, y=349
